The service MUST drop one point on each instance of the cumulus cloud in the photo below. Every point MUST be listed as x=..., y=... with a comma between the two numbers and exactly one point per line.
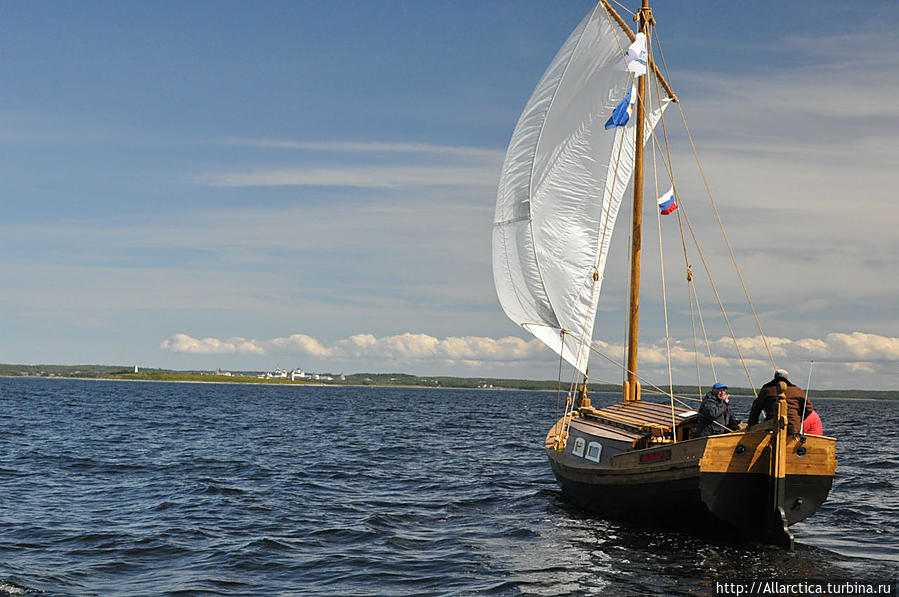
x=858, y=351
x=406, y=346
x=300, y=344
x=184, y=343
x=859, y=345
x=356, y=176
x=473, y=153
x=349, y=164
x=836, y=346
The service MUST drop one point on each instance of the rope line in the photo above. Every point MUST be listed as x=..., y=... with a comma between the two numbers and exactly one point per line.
x=690, y=292
x=624, y=8
x=583, y=341
x=717, y=214
x=708, y=345
x=655, y=174
x=683, y=207
x=666, y=159
x=718, y=298
x=691, y=286
x=645, y=382
x=661, y=252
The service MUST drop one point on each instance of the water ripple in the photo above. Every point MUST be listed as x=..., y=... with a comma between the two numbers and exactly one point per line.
x=183, y=489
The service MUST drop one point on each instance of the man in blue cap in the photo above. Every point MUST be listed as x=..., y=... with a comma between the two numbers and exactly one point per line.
x=716, y=415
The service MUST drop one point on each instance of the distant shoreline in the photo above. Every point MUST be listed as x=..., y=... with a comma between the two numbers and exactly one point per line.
x=261, y=382
x=396, y=380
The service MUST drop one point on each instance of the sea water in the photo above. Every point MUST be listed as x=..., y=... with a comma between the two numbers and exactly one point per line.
x=128, y=488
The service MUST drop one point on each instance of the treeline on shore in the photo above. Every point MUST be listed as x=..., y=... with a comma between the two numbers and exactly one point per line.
x=374, y=379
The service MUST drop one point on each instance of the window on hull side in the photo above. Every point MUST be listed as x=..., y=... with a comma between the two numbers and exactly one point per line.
x=594, y=451
x=578, y=449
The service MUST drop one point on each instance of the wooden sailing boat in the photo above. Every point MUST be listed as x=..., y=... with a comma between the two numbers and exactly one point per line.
x=562, y=184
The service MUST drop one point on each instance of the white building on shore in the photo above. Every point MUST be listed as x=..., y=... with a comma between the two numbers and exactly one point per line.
x=299, y=374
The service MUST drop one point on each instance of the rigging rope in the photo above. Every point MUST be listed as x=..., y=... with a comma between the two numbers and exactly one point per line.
x=645, y=382
x=645, y=102
x=662, y=259
x=683, y=207
x=690, y=292
x=717, y=215
x=627, y=312
x=681, y=216
x=691, y=286
x=624, y=8
x=705, y=336
x=583, y=341
x=559, y=387
x=718, y=298
x=562, y=435
x=808, y=391
x=623, y=53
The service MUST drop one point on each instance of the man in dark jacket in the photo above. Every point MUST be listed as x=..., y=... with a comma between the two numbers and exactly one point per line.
x=716, y=415
x=798, y=406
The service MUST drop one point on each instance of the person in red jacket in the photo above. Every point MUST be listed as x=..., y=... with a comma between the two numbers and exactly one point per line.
x=812, y=424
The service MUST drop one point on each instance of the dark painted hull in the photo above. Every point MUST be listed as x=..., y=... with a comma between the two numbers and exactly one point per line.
x=699, y=501
x=755, y=481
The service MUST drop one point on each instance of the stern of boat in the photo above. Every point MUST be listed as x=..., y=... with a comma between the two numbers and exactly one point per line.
x=740, y=476
x=758, y=480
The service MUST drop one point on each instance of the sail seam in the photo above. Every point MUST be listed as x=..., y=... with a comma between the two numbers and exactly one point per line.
x=511, y=221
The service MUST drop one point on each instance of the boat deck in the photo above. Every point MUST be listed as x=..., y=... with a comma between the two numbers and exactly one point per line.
x=638, y=416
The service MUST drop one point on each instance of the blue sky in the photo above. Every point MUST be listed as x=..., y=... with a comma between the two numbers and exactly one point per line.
x=214, y=184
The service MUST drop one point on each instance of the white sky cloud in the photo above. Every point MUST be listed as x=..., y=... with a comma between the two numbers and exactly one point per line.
x=856, y=350
x=119, y=220
x=357, y=176
x=406, y=346
x=469, y=153
x=410, y=165
x=184, y=343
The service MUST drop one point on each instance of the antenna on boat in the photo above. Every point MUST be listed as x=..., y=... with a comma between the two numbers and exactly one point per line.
x=808, y=389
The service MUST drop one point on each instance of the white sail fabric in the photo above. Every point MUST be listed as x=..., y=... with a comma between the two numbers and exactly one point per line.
x=561, y=186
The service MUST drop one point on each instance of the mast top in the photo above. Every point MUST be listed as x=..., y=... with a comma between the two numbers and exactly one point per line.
x=644, y=11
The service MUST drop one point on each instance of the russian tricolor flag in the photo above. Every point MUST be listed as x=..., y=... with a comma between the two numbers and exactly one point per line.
x=667, y=204
x=622, y=112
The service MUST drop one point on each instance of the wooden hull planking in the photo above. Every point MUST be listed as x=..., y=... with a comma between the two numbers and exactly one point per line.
x=719, y=480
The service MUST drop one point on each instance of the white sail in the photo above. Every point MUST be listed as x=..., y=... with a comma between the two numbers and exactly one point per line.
x=561, y=186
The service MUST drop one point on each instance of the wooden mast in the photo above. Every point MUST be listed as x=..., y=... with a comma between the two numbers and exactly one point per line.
x=632, y=387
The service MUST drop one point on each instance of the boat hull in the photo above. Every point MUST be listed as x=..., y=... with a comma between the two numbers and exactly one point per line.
x=710, y=484
x=701, y=501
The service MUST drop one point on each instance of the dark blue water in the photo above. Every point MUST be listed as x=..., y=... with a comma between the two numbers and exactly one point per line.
x=117, y=488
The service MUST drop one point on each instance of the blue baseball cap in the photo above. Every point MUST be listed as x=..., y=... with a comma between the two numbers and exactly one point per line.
x=719, y=386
